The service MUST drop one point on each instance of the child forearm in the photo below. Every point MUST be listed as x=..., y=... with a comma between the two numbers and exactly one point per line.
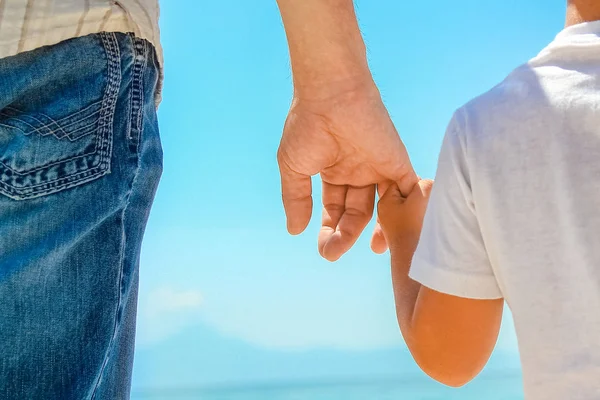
x=406, y=291
x=450, y=337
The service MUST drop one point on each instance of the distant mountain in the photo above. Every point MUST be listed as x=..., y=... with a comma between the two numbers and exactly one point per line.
x=200, y=357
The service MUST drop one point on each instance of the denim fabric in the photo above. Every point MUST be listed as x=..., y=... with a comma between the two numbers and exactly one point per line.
x=80, y=162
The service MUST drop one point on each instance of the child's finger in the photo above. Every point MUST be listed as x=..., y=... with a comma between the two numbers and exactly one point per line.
x=422, y=189
x=391, y=199
x=392, y=194
x=426, y=185
x=419, y=198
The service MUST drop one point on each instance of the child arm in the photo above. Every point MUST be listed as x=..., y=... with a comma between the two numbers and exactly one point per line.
x=450, y=337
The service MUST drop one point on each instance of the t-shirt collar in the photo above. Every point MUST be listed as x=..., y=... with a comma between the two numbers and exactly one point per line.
x=581, y=35
x=582, y=29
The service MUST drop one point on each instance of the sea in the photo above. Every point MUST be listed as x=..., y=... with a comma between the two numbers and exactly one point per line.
x=500, y=387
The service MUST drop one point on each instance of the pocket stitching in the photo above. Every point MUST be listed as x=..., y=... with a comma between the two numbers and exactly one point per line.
x=70, y=116
x=44, y=126
x=101, y=161
x=14, y=171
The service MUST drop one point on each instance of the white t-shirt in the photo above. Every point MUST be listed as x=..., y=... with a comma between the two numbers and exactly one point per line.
x=515, y=212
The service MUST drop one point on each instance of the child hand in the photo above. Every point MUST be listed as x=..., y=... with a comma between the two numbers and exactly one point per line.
x=402, y=218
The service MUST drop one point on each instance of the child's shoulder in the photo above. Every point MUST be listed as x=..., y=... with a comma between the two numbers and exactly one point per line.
x=517, y=97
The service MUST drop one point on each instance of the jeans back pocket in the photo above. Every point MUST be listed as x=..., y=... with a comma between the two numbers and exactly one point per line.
x=57, y=105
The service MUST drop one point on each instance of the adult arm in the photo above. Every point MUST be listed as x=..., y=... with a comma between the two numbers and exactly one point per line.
x=337, y=127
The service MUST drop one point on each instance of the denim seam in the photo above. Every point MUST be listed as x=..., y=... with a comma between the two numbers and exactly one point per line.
x=137, y=97
x=70, y=116
x=103, y=138
x=49, y=132
x=140, y=57
x=110, y=101
x=130, y=93
x=47, y=126
x=44, y=126
x=46, y=166
x=141, y=99
x=120, y=295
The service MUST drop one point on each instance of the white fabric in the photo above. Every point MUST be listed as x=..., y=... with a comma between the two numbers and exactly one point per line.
x=515, y=212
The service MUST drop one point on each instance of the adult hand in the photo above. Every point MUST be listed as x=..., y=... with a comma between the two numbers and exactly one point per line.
x=344, y=134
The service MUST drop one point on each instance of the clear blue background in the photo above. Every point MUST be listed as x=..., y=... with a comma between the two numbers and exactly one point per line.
x=227, y=296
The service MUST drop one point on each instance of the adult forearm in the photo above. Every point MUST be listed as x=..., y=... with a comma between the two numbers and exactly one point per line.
x=326, y=46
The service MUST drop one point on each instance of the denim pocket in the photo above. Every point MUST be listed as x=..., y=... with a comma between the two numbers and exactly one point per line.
x=56, y=115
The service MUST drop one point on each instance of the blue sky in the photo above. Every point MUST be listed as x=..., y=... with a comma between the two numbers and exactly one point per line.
x=218, y=268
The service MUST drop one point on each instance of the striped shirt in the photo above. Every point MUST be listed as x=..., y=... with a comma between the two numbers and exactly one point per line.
x=29, y=24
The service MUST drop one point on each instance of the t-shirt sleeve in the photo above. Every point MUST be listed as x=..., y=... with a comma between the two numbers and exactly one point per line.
x=451, y=256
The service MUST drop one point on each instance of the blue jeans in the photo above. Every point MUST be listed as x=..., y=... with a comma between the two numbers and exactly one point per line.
x=80, y=162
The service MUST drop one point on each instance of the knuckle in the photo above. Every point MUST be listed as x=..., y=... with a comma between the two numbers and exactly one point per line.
x=427, y=186
x=280, y=154
x=331, y=207
x=356, y=213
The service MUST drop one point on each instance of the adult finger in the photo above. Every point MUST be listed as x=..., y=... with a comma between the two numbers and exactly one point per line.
x=406, y=180
x=296, y=193
x=334, y=204
x=378, y=243
x=357, y=213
